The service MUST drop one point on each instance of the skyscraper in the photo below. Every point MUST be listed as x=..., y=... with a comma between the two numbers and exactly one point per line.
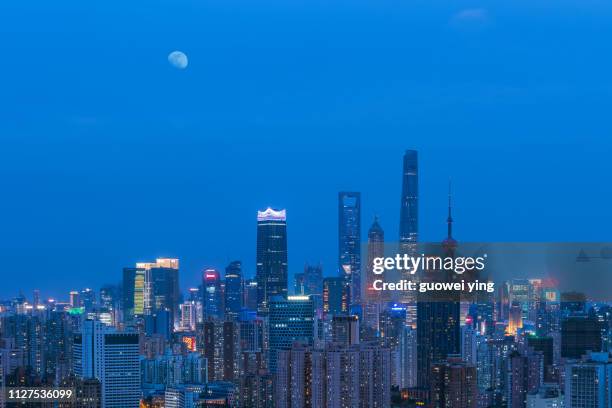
x=349, y=242
x=162, y=287
x=579, y=335
x=151, y=287
x=376, y=249
x=271, y=271
x=211, y=283
x=334, y=296
x=133, y=293
x=291, y=320
x=587, y=383
x=233, y=289
x=112, y=357
x=409, y=208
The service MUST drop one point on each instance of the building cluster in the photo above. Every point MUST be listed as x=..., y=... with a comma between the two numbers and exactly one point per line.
x=321, y=341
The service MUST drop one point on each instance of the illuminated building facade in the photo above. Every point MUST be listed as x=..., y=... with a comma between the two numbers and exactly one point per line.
x=271, y=270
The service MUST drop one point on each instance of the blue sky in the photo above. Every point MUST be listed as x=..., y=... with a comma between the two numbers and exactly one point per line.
x=111, y=156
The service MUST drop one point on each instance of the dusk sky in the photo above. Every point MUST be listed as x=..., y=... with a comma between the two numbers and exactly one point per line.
x=111, y=156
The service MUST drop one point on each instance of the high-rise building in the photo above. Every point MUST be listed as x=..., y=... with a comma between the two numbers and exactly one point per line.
x=453, y=384
x=250, y=294
x=233, y=290
x=299, y=378
x=339, y=376
x=335, y=296
x=88, y=299
x=188, y=315
x=162, y=287
x=150, y=287
x=75, y=300
x=310, y=282
x=211, y=294
x=271, y=271
x=88, y=393
x=133, y=303
x=548, y=396
x=409, y=208
x=515, y=319
x=408, y=358
x=544, y=345
x=376, y=249
x=521, y=294
x=579, y=335
x=290, y=320
x=587, y=382
x=524, y=376
x=349, y=242
x=221, y=347
x=183, y=396
x=345, y=329
x=110, y=356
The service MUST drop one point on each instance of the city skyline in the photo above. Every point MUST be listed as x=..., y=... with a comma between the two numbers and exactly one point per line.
x=102, y=169
x=283, y=204
x=191, y=276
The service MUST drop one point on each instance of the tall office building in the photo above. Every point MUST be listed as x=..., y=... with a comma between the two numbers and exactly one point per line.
x=290, y=320
x=376, y=249
x=250, y=294
x=408, y=358
x=587, y=382
x=112, y=357
x=349, y=242
x=335, y=297
x=133, y=301
x=271, y=271
x=234, y=285
x=151, y=287
x=88, y=299
x=211, y=294
x=409, y=208
x=162, y=287
x=579, y=335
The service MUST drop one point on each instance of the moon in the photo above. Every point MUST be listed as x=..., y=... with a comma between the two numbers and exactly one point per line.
x=178, y=59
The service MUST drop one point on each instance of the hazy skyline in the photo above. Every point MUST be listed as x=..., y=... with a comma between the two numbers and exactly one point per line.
x=111, y=156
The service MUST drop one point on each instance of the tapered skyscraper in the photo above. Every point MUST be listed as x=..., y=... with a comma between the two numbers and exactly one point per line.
x=349, y=242
x=271, y=272
x=409, y=208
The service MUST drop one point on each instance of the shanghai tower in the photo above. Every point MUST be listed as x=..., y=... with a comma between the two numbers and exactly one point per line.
x=409, y=208
x=271, y=272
